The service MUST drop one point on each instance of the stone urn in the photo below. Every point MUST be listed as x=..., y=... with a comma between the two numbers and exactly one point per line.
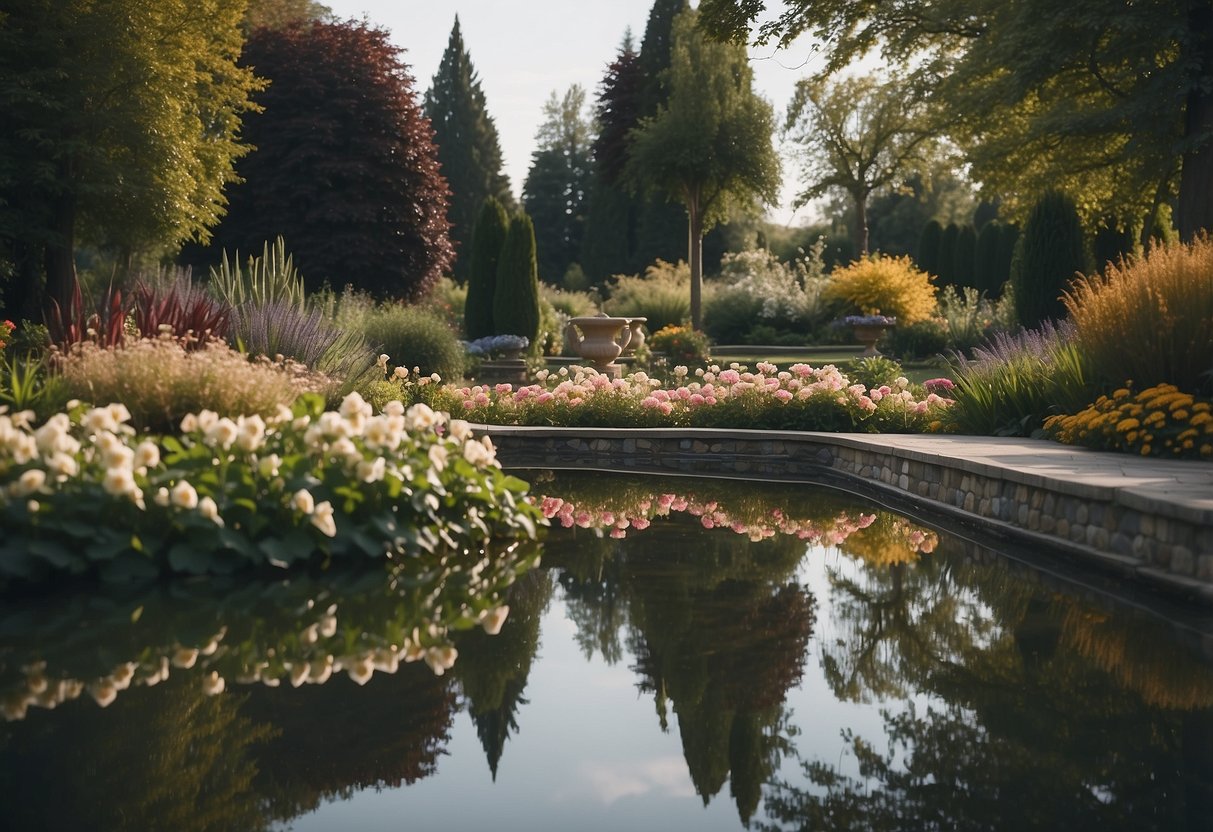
x=594, y=339
x=868, y=335
x=636, y=335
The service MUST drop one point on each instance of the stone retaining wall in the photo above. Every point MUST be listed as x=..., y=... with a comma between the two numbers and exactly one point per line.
x=1157, y=545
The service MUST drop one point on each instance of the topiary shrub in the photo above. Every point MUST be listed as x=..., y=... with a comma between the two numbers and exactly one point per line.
x=882, y=285
x=1007, y=240
x=414, y=337
x=1051, y=253
x=987, y=277
x=928, y=247
x=964, y=257
x=487, y=240
x=946, y=262
x=516, y=295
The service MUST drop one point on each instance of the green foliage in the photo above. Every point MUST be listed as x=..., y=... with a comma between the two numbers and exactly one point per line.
x=947, y=256
x=487, y=241
x=927, y=256
x=709, y=147
x=469, y=149
x=27, y=384
x=680, y=345
x=927, y=338
x=758, y=297
x=660, y=295
x=1052, y=255
x=233, y=494
x=874, y=371
x=987, y=273
x=121, y=128
x=964, y=257
x=516, y=294
x=270, y=278
x=413, y=337
x=971, y=318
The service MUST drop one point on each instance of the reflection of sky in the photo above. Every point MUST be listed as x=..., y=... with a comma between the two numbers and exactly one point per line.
x=589, y=753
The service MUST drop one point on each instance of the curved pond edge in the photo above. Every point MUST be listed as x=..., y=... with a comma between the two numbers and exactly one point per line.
x=1146, y=520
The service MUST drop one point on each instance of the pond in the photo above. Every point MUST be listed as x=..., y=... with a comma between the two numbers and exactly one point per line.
x=682, y=654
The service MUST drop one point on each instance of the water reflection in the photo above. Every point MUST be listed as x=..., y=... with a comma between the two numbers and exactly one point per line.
x=1003, y=699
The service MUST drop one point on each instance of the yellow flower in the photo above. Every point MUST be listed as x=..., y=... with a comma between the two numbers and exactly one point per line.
x=1145, y=450
x=1179, y=415
x=1127, y=425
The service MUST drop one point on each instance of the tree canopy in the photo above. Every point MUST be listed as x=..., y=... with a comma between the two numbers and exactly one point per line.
x=469, y=148
x=345, y=169
x=1112, y=102
x=709, y=147
x=120, y=130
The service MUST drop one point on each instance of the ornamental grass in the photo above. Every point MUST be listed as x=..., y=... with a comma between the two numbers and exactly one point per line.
x=1150, y=319
x=1159, y=421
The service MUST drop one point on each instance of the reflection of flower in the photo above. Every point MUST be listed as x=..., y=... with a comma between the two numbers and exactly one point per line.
x=890, y=540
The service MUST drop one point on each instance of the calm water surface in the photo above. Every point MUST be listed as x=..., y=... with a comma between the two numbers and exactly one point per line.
x=688, y=654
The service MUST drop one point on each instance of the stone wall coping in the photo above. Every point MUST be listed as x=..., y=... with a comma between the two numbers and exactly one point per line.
x=1168, y=488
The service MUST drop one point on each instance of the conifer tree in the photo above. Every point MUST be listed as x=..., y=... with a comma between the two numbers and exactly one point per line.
x=947, y=256
x=928, y=247
x=1052, y=252
x=964, y=257
x=987, y=276
x=610, y=234
x=516, y=295
x=469, y=148
x=487, y=240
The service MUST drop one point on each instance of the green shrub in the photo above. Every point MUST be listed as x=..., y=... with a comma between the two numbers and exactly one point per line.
x=987, y=275
x=921, y=339
x=971, y=317
x=1051, y=254
x=448, y=300
x=928, y=247
x=874, y=371
x=662, y=294
x=946, y=262
x=881, y=285
x=755, y=291
x=487, y=239
x=413, y=337
x=516, y=294
x=680, y=345
x=1150, y=320
x=964, y=257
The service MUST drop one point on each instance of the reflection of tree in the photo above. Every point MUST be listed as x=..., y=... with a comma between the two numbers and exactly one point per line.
x=720, y=634
x=1046, y=712
x=165, y=758
x=334, y=739
x=589, y=579
x=493, y=670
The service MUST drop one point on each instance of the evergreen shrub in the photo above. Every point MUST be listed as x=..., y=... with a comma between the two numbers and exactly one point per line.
x=487, y=240
x=1051, y=254
x=516, y=295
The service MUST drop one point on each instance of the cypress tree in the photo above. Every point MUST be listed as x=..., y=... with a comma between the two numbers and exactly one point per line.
x=964, y=257
x=516, y=295
x=928, y=247
x=1007, y=238
x=468, y=145
x=986, y=274
x=487, y=240
x=947, y=256
x=1052, y=251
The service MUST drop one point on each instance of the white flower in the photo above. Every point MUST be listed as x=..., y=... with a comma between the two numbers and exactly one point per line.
x=189, y=423
x=303, y=501
x=328, y=626
x=371, y=470
x=54, y=437
x=299, y=674
x=354, y=406
x=401, y=372
x=394, y=408
x=118, y=455
x=421, y=417
x=184, y=495
x=322, y=518
x=460, y=430
x=384, y=358
x=207, y=419
x=221, y=434
x=208, y=509
x=119, y=482
x=476, y=453
x=162, y=497
x=99, y=419
x=250, y=432
x=119, y=413
x=103, y=691
x=32, y=480
x=441, y=659
x=492, y=620
x=438, y=456
x=361, y=670
x=147, y=455
x=267, y=466
x=184, y=657
x=212, y=683
x=320, y=670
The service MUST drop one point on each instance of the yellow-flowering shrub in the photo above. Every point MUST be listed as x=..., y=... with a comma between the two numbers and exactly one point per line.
x=1158, y=421
x=1151, y=319
x=680, y=344
x=882, y=285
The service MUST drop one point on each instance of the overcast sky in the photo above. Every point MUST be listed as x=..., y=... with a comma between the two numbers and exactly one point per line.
x=525, y=49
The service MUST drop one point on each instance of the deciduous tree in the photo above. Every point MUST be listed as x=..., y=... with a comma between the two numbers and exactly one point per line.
x=709, y=147
x=120, y=124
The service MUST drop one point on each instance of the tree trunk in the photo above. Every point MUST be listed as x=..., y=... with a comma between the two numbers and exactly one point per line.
x=60, y=256
x=861, y=223
x=1195, y=209
x=695, y=258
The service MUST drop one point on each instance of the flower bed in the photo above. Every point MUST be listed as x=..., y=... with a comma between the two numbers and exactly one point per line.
x=226, y=493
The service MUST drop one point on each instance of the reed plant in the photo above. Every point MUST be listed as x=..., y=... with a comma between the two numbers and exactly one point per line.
x=1150, y=320
x=1015, y=381
x=265, y=279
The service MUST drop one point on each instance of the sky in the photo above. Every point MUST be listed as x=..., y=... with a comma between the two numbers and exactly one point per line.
x=523, y=50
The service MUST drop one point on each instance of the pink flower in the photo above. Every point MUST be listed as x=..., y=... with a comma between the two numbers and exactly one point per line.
x=706, y=521
x=618, y=533
x=545, y=397
x=649, y=401
x=697, y=399
x=783, y=395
